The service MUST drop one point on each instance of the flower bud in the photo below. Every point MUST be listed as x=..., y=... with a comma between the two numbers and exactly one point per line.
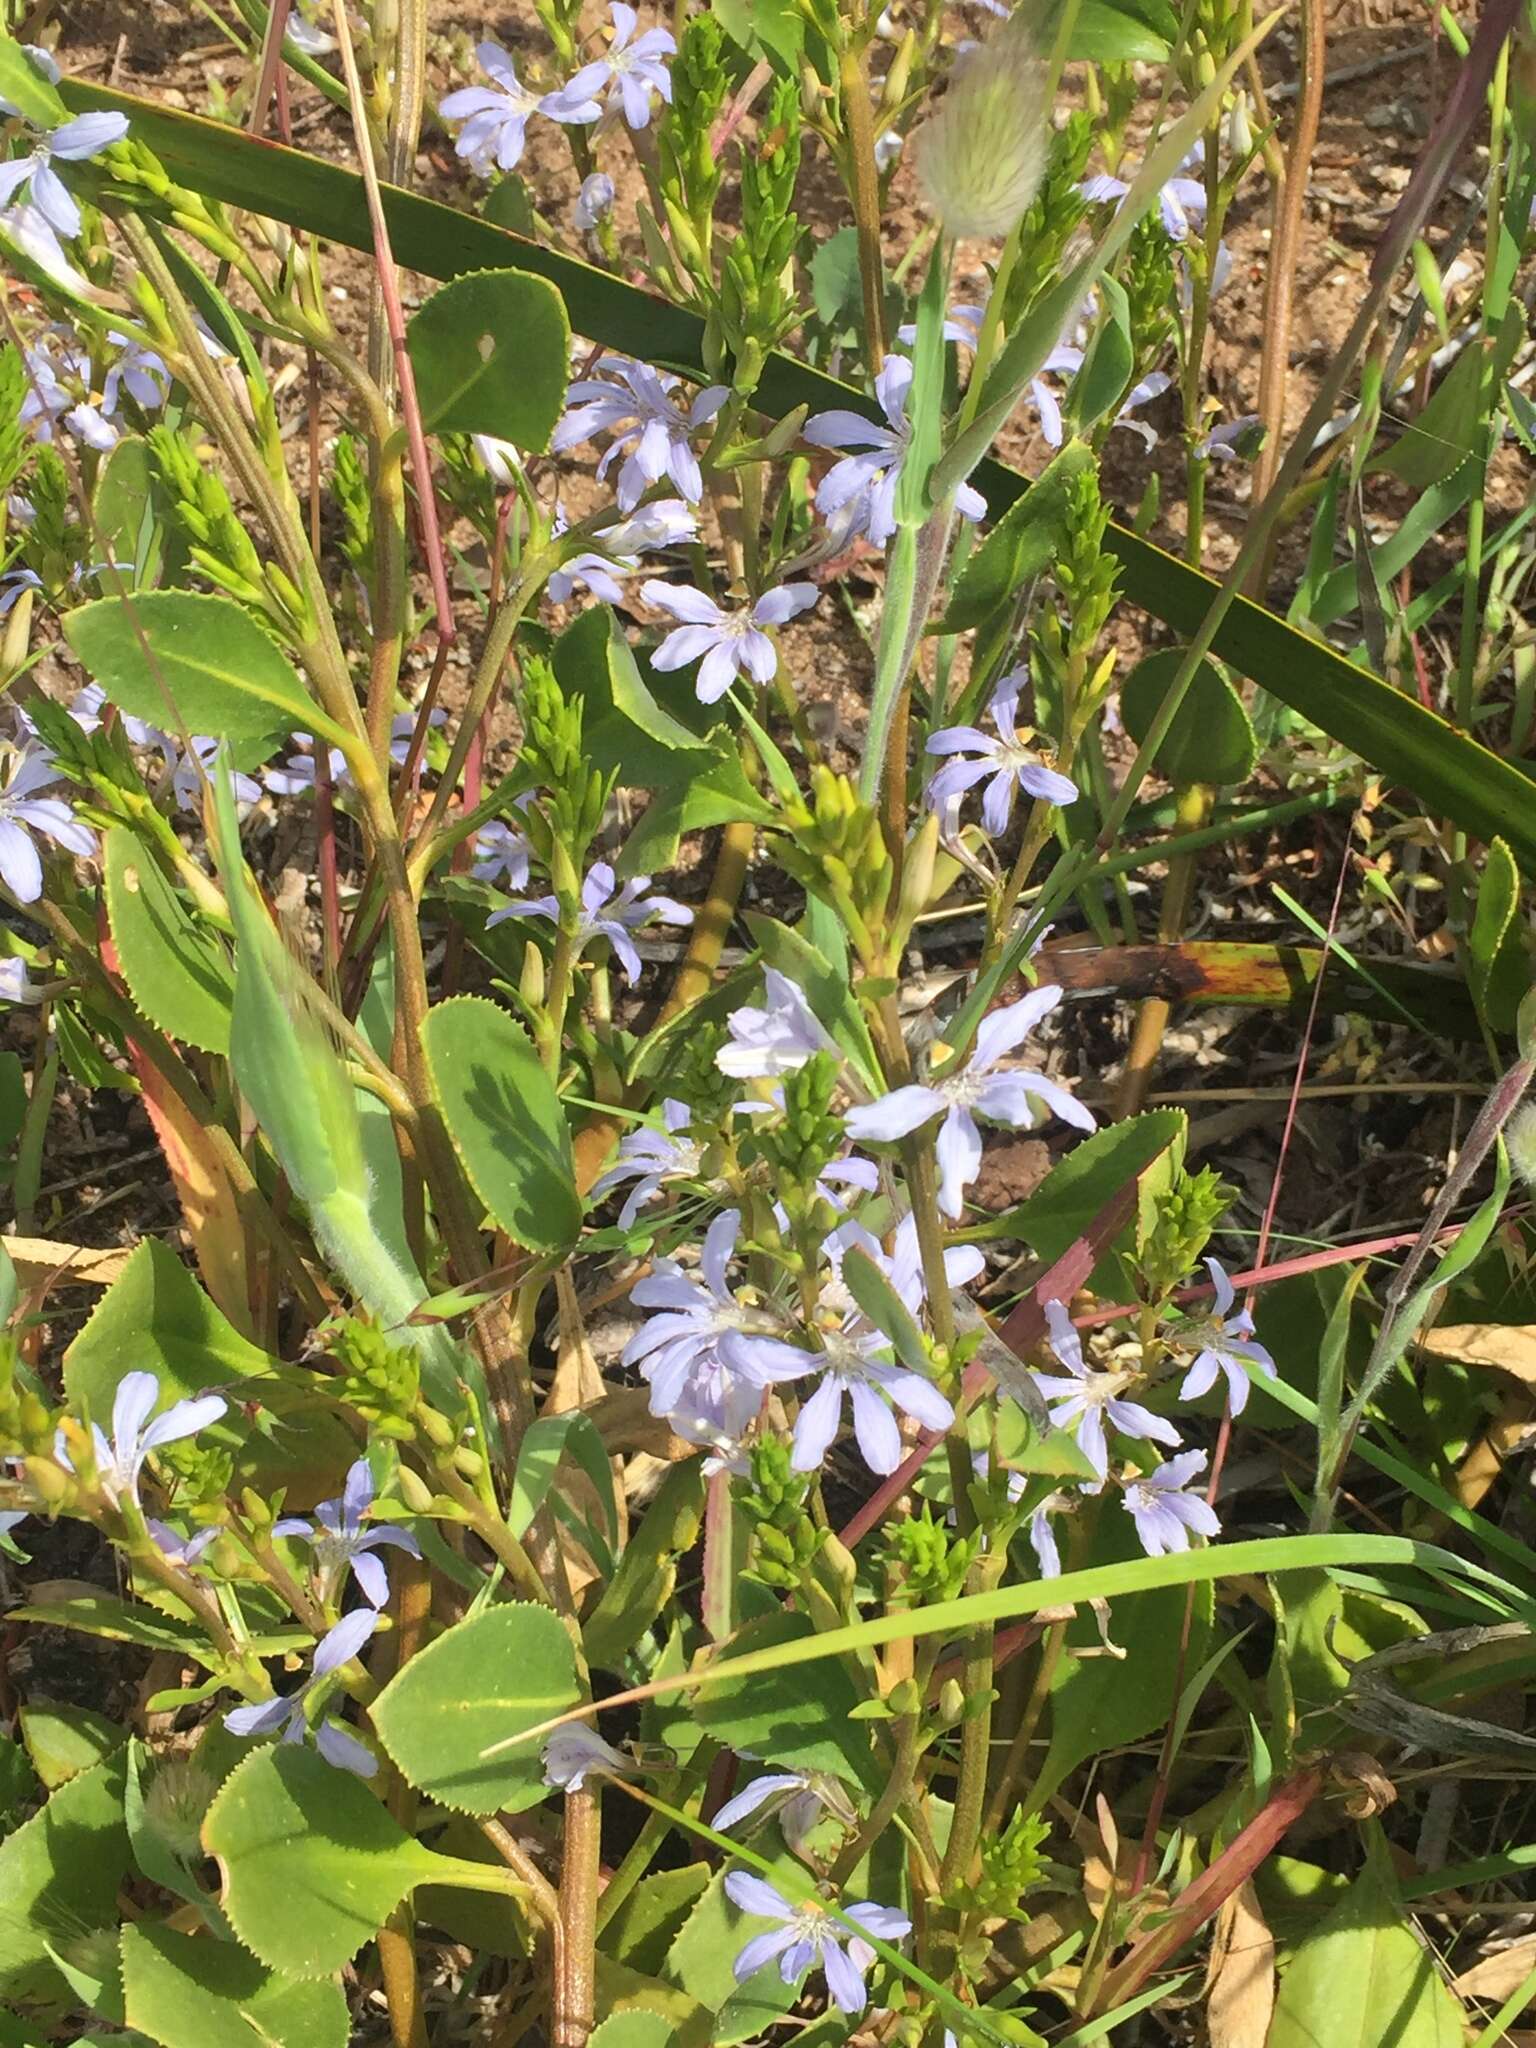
x=981, y=157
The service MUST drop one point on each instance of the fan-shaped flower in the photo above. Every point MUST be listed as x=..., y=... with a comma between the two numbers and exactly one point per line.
x=1088, y=1397
x=26, y=816
x=1004, y=761
x=650, y=432
x=974, y=1090
x=775, y=1038
x=632, y=67
x=731, y=643
x=862, y=487
x=288, y=1715
x=342, y=1540
x=121, y=1458
x=650, y=1158
x=807, y=1938
x=607, y=912
x=1223, y=1343
x=87, y=135
x=1164, y=1513
x=496, y=116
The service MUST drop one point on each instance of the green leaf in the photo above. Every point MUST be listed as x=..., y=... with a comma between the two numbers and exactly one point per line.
x=715, y=1933
x=544, y=1444
x=634, y=2030
x=1079, y=1186
x=64, y=1741
x=1450, y=772
x=1363, y=1979
x=765, y=28
x=642, y=1586
x=186, y=1992
x=1211, y=739
x=34, y=96
x=828, y=992
x=1105, y=375
x=1122, y=32
x=176, y=972
x=505, y=1120
x=643, y=1929
x=1498, y=963
x=313, y=1864
x=491, y=353
x=128, y=514
x=485, y=1679
x=61, y=1870
x=1100, y=1703
x=873, y=1293
x=114, y=1620
x=1019, y=546
x=798, y=1718
x=156, y=1318
x=203, y=663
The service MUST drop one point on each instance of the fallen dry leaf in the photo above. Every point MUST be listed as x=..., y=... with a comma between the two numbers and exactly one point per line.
x=1241, y=1998
x=1500, y=1973
x=1504, y=1347
x=40, y=1258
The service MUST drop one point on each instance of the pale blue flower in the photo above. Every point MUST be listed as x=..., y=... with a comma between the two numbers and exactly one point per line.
x=860, y=491
x=634, y=404
x=120, y=1459
x=807, y=1938
x=608, y=911
x=1088, y=1398
x=650, y=1158
x=496, y=117
x=1002, y=760
x=774, y=1039
x=334, y=1742
x=343, y=1540
x=1164, y=1513
x=1223, y=1343
x=87, y=135
x=632, y=68
x=726, y=644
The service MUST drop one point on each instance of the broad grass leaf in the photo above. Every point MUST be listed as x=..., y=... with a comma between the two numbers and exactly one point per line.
x=485, y=1679
x=505, y=1120
x=179, y=659
x=61, y=1870
x=186, y=1992
x=178, y=974
x=1363, y=1979
x=491, y=354
x=1211, y=739
x=313, y=1864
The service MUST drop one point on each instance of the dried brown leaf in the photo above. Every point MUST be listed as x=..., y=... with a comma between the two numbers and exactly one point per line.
x=1500, y=1973
x=1241, y=1978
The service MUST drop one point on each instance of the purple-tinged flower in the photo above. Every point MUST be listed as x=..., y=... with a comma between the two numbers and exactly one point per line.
x=24, y=815
x=193, y=772
x=88, y=708
x=807, y=1937
x=182, y=1550
x=661, y=525
x=632, y=67
x=502, y=855
x=594, y=202
x=574, y=1753
x=1181, y=203
x=335, y=1743
x=306, y=36
x=298, y=774
x=49, y=399
x=342, y=1540
x=1223, y=1343
x=777, y=1039
x=867, y=481
x=87, y=135
x=13, y=583
x=1233, y=440
x=16, y=985
x=649, y=430
x=139, y=372
x=24, y=225
x=799, y=1798
x=650, y=1158
x=732, y=643
x=1088, y=1397
x=1164, y=1513
x=852, y=1370
x=707, y=1355
x=1015, y=1099
x=1006, y=762
x=1151, y=386
x=962, y=324
x=496, y=117
x=120, y=1460
x=607, y=912
x=902, y=1265
x=889, y=144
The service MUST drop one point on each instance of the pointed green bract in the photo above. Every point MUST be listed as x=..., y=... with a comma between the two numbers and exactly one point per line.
x=501, y=1671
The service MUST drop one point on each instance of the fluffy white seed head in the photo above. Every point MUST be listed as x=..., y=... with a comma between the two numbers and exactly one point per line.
x=981, y=156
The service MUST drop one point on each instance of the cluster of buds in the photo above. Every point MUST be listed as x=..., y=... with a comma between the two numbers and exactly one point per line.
x=931, y=1559
x=785, y=1540
x=553, y=754
x=759, y=301
x=835, y=846
x=201, y=506
x=381, y=1379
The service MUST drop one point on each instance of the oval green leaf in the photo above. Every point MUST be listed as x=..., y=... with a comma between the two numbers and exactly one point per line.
x=176, y=972
x=1211, y=739
x=490, y=352
x=313, y=1865
x=169, y=655
x=185, y=1992
x=486, y=1679
x=505, y=1119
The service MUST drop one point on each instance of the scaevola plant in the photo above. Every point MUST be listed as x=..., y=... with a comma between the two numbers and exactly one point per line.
x=491, y=779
